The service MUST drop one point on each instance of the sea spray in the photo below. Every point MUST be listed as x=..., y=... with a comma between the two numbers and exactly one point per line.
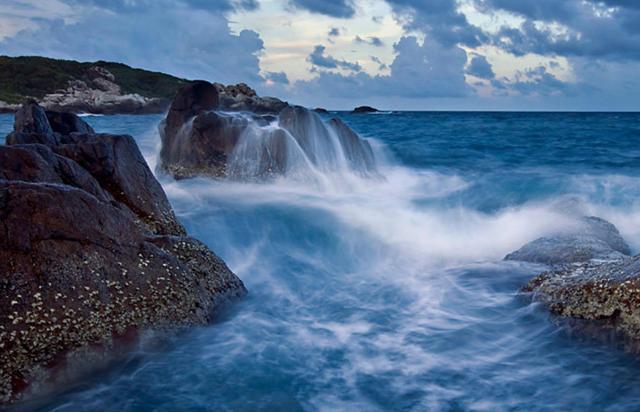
x=389, y=293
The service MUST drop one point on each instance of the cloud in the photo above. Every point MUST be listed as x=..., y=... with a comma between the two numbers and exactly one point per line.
x=440, y=20
x=199, y=43
x=601, y=29
x=418, y=71
x=277, y=77
x=125, y=6
x=381, y=65
x=319, y=59
x=480, y=67
x=334, y=32
x=333, y=8
x=371, y=40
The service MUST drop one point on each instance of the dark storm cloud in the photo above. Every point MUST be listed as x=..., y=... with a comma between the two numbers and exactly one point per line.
x=480, y=67
x=175, y=36
x=318, y=58
x=372, y=40
x=599, y=29
x=418, y=71
x=440, y=19
x=277, y=77
x=333, y=8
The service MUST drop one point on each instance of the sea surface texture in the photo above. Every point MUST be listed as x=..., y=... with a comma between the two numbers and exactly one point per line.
x=388, y=292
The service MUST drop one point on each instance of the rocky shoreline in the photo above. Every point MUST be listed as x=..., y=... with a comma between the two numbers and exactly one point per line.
x=90, y=249
x=592, y=276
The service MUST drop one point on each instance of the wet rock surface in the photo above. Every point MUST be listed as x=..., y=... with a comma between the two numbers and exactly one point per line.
x=594, y=291
x=217, y=131
x=89, y=250
x=593, y=238
x=592, y=277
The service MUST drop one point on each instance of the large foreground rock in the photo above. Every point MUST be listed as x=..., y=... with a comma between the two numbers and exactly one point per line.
x=90, y=250
x=593, y=238
x=218, y=131
x=608, y=291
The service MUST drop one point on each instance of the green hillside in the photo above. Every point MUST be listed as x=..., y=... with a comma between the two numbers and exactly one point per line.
x=32, y=76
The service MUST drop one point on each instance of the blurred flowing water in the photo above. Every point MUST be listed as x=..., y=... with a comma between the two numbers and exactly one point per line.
x=390, y=293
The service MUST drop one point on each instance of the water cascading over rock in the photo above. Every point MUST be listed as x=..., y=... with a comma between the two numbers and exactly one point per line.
x=203, y=135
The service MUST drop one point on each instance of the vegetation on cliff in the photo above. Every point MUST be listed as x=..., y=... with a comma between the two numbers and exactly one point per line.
x=33, y=76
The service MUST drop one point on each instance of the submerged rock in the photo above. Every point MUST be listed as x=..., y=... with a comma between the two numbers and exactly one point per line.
x=208, y=137
x=608, y=291
x=89, y=250
x=594, y=238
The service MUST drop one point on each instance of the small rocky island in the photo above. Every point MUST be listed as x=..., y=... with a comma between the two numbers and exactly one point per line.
x=91, y=252
x=365, y=109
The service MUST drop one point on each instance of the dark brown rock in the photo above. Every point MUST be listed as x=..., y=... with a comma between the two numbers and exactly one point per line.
x=117, y=164
x=90, y=250
x=194, y=98
x=31, y=118
x=594, y=290
x=67, y=123
x=38, y=163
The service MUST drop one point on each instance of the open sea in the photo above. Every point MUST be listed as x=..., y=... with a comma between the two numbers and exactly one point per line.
x=390, y=293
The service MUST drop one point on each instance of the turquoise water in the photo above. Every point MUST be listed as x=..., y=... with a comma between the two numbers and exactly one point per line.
x=390, y=294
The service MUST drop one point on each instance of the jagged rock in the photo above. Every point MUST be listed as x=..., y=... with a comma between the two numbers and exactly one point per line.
x=116, y=162
x=594, y=238
x=32, y=118
x=38, y=163
x=357, y=150
x=67, y=123
x=365, y=109
x=89, y=250
x=209, y=142
x=242, y=98
x=194, y=98
x=603, y=291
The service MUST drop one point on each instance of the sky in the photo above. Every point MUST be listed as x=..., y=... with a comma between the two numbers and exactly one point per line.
x=338, y=54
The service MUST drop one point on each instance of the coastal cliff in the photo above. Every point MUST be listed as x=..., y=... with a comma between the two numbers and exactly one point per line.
x=69, y=86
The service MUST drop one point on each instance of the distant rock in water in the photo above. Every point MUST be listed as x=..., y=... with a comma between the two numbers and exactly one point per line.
x=365, y=109
x=231, y=132
x=90, y=251
x=321, y=110
x=595, y=238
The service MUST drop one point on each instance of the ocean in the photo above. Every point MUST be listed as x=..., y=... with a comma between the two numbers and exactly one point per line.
x=389, y=293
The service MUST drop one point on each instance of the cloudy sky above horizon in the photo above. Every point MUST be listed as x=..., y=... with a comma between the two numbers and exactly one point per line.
x=395, y=54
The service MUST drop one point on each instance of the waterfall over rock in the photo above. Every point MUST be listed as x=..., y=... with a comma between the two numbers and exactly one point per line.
x=200, y=139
